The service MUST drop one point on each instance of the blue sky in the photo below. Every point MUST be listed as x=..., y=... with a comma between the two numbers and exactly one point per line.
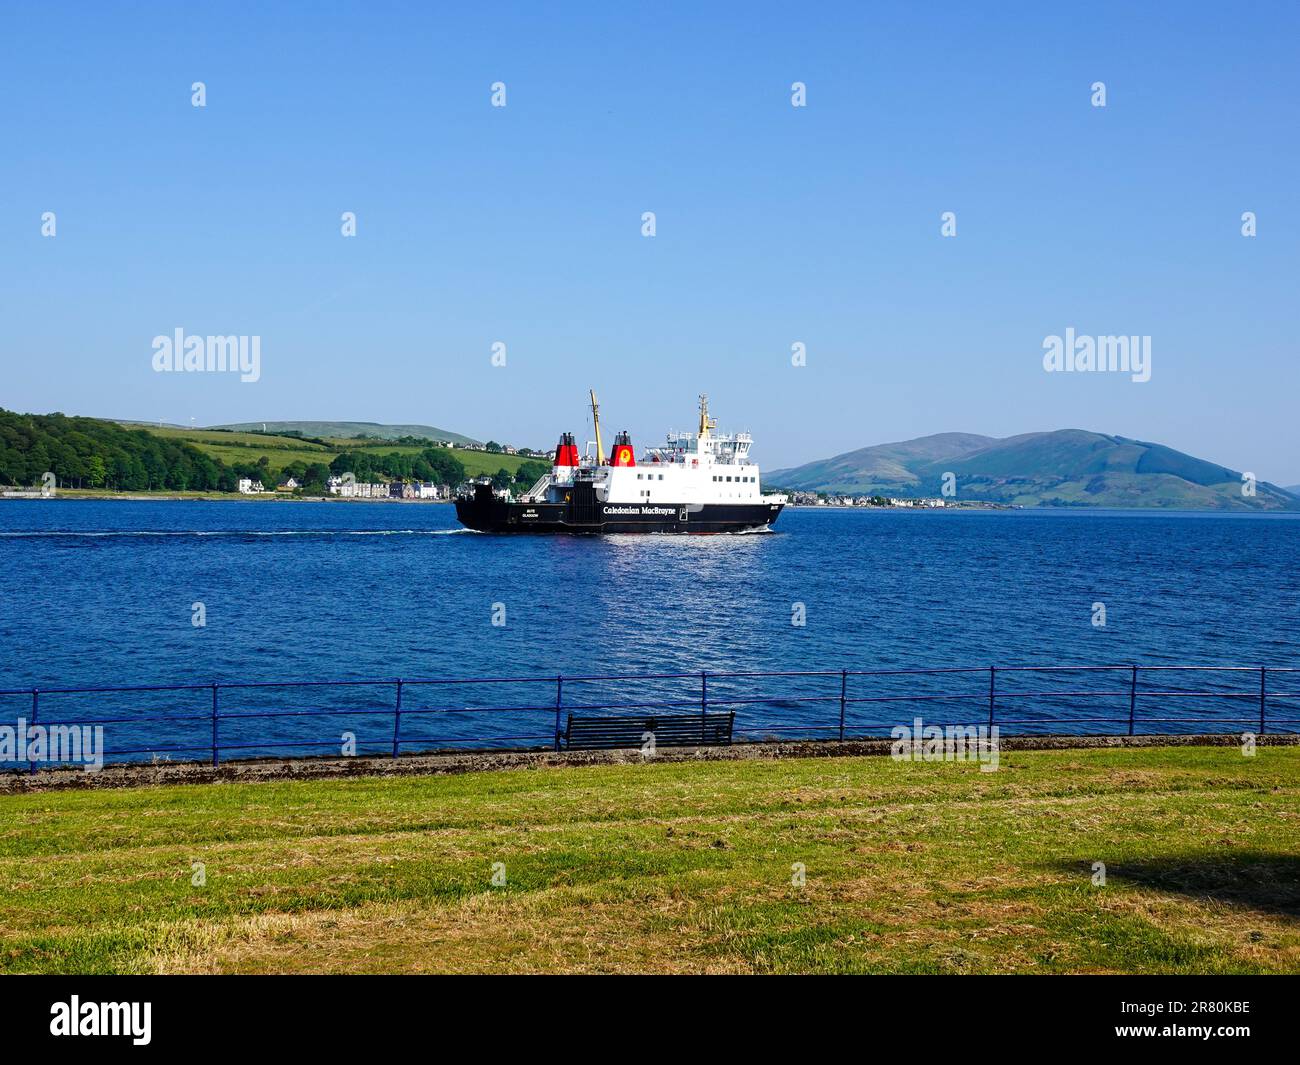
x=775, y=224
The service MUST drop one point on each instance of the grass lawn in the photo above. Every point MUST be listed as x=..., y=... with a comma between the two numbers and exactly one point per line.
x=685, y=867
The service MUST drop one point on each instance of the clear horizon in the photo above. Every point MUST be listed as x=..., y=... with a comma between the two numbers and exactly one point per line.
x=775, y=225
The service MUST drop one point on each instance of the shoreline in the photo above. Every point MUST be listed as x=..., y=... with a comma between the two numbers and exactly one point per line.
x=204, y=497
x=973, y=506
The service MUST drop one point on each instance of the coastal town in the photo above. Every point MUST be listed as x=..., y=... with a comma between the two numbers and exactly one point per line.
x=831, y=499
x=350, y=488
x=347, y=486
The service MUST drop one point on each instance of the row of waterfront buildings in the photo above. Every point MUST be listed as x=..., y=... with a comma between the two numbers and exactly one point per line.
x=502, y=449
x=815, y=499
x=352, y=489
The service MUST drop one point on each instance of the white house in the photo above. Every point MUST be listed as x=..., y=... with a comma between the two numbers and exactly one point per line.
x=357, y=490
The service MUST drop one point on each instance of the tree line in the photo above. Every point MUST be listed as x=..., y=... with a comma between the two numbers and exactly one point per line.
x=90, y=453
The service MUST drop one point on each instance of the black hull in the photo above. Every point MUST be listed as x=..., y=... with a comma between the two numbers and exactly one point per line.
x=497, y=516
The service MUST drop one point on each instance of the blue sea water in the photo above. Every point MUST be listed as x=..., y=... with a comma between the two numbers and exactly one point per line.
x=103, y=593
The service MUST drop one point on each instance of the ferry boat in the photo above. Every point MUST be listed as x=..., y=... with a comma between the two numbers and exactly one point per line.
x=700, y=482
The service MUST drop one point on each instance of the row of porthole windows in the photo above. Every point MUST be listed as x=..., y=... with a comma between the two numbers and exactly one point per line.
x=744, y=480
x=649, y=477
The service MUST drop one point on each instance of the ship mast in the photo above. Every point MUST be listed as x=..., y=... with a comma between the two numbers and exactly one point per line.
x=705, y=423
x=595, y=419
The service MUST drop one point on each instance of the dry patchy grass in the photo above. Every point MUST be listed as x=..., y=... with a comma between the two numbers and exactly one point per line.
x=675, y=868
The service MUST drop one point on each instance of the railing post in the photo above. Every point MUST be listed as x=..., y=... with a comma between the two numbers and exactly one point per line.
x=993, y=673
x=397, y=719
x=704, y=705
x=559, y=699
x=844, y=684
x=1262, y=698
x=1132, y=698
x=31, y=766
x=215, y=747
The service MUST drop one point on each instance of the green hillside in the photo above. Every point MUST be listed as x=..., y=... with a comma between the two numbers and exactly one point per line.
x=97, y=455
x=1069, y=467
x=234, y=448
x=352, y=430
x=281, y=452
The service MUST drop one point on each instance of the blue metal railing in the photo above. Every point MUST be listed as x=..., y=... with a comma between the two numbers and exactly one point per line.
x=217, y=721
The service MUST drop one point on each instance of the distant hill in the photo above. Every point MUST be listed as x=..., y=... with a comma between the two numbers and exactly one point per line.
x=1069, y=467
x=351, y=430
x=1293, y=489
x=883, y=464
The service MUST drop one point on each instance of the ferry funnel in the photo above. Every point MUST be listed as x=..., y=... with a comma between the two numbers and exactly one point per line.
x=566, y=451
x=622, y=455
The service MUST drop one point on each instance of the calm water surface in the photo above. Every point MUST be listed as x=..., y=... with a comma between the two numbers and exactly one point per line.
x=102, y=593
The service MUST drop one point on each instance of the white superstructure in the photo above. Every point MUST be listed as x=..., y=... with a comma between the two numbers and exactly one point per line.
x=691, y=469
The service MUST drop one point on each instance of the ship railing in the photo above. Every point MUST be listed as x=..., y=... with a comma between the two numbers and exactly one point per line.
x=223, y=721
x=537, y=494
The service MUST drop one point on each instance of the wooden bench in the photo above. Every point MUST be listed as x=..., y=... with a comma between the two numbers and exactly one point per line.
x=670, y=730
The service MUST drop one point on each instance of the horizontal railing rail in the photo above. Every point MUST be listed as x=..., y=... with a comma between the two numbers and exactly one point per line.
x=400, y=715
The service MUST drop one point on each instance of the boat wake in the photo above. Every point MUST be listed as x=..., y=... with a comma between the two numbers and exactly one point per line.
x=62, y=534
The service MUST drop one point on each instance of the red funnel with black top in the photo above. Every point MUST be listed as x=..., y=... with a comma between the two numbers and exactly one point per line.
x=566, y=451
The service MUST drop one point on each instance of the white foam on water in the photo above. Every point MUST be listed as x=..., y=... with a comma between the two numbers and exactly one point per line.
x=60, y=533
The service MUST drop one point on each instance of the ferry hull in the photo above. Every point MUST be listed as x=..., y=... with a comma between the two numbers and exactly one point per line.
x=498, y=516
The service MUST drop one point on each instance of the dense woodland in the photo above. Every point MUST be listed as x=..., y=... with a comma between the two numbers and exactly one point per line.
x=90, y=453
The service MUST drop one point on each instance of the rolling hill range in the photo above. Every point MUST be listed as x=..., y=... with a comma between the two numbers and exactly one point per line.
x=351, y=430
x=1068, y=467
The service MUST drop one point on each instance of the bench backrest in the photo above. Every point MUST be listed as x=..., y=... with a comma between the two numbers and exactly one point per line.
x=670, y=730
